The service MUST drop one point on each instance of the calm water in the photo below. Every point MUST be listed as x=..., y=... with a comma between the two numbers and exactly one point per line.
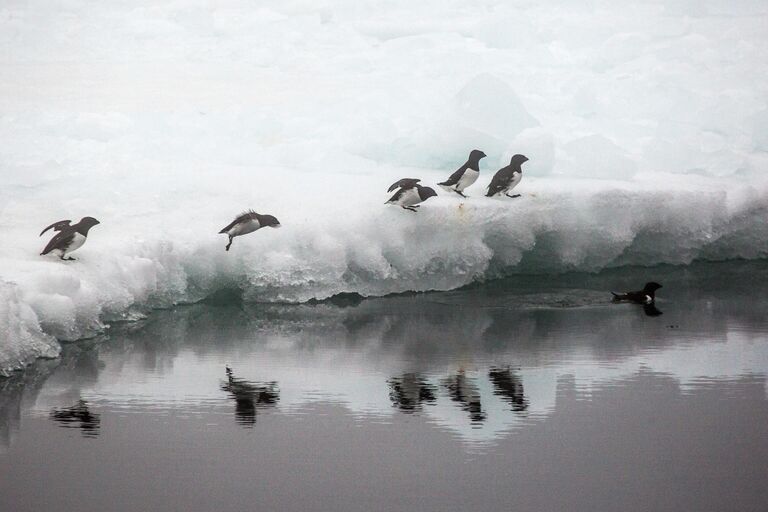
x=535, y=394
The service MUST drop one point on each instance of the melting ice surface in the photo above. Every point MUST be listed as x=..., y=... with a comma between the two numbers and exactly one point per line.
x=645, y=126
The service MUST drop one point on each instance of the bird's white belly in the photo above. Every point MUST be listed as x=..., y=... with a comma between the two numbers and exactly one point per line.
x=409, y=198
x=469, y=177
x=77, y=242
x=243, y=228
x=516, y=177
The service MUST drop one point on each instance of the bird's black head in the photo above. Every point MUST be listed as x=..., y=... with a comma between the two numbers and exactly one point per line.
x=651, y=287
x=518, y=159
x=426, y=192
x=87, y=223
x=475, y=155
x=269, y=220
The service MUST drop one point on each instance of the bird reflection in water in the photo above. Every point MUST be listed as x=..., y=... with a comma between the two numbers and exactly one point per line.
x=78, y=416
x=509, y=386
x=409, y=391
x=249, y=396
x=652, y=310
x=462, y=389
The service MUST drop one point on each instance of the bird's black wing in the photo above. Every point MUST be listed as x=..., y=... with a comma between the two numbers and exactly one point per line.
x=500, y=180
x=60, y=241
x=403, y=183
x=250, y=214
x=455, y=177
x=397, y=195
x=57, y=226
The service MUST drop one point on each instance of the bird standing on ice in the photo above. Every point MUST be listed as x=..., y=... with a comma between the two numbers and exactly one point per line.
x=465, y=175
x=410, y=197
x=248, y=222
x=645, y=296
x=69, y=238
x=507, y=177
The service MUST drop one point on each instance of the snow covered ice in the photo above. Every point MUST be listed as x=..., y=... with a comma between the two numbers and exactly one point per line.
x=645, y=126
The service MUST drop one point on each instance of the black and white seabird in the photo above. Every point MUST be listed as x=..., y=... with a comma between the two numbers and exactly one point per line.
x=465, y=175
x=645, y=296
x=248, y=222
x=403, y=183
x=69, y=238
x=409, y=198
x=507, y=177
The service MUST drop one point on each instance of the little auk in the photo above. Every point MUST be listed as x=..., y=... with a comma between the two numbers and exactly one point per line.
x=507, y=178
x=645, y=296
x=69, y=238
x=248, y=222
x=465, y=175
x=409, y=198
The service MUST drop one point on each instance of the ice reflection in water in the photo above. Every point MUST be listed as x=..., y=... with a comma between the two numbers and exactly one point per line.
x=444, y=392
x=479, y=363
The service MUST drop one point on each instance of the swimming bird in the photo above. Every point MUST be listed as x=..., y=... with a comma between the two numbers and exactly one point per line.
x=409, y=198
x=403, y=183
x=645, y=296
x=69, y=238
x=248, y=222
x=465, y=175
x=507, y=177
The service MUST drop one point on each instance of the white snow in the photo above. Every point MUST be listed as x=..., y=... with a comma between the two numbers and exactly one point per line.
x=645, y=125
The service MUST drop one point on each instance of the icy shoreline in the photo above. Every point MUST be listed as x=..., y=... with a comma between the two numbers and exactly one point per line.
x=565, y=225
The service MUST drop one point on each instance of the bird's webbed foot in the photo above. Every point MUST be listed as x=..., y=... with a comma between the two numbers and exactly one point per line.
x=514, y=196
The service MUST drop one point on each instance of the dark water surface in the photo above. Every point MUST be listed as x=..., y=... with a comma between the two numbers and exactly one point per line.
x=533, y=394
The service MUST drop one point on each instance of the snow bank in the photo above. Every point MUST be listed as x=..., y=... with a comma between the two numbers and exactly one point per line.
x=21, y=338
x=644, y=125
